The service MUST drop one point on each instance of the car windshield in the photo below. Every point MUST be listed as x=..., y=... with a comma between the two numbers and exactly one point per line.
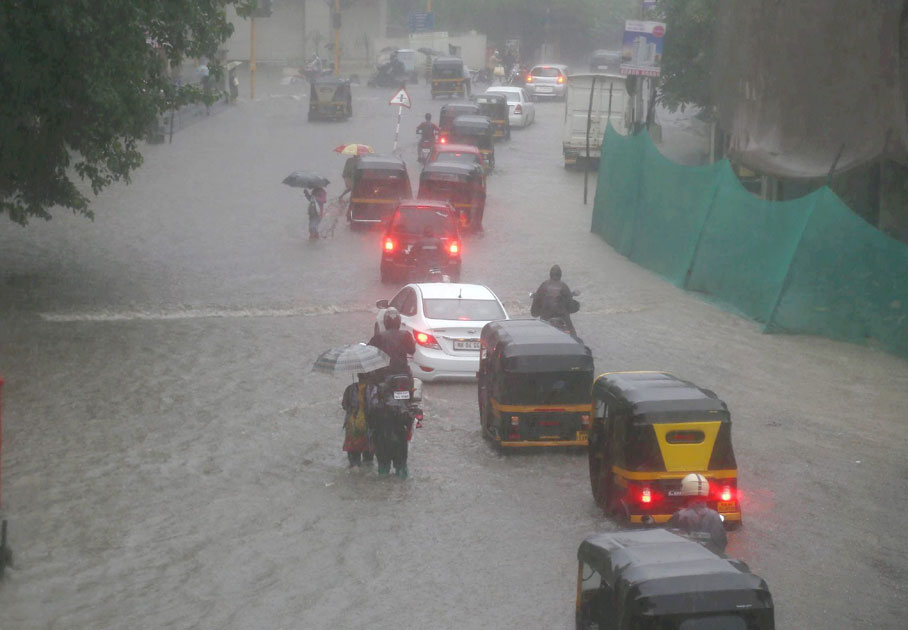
x=546, y=72
x=416, y=220
x=464, y=310
x=459, y=156
x=513, y=97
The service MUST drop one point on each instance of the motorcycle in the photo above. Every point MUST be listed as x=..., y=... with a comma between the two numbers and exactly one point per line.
x=561, y=323
x=480, y=76
x=392, y=423
x=425, y=150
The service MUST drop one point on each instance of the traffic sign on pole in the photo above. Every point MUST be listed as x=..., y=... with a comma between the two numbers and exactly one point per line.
x=401, y=98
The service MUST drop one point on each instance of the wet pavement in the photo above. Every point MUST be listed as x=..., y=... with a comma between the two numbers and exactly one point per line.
x=170, y=460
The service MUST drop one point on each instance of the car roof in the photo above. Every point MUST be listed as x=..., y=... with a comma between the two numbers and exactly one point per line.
x=450, y=168
x=457, y=148
x=559, y=66
x=502, y=89
x=449, y=290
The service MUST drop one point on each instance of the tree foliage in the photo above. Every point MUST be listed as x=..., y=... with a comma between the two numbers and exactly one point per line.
x=83, y=82
x=688, y=53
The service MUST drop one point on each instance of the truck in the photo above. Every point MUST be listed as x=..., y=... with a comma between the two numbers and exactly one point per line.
x=610, y=103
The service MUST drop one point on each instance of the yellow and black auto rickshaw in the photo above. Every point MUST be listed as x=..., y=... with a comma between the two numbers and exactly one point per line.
x=533, y=385
x=379, y=183
x=653, y=579
x=450, y=111
x=650, y=430
x=448, y=77
x=330, y=99
x=476, y=131
x=460, y=184
x=495, y=106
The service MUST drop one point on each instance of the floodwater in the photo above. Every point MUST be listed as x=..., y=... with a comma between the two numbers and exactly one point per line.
x=170, y=460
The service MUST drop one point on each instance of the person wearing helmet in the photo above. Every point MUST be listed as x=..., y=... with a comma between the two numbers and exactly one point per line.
x=554, y=300
x=394, y=342
x=696, y=518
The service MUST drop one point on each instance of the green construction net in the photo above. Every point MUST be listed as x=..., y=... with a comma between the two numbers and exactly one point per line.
x=809, y=265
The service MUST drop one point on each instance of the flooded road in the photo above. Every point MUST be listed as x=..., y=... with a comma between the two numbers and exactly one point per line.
x=171, y=461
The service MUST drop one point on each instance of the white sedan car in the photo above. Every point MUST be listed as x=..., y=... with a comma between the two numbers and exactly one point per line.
x=521, y=110
x=445, y=320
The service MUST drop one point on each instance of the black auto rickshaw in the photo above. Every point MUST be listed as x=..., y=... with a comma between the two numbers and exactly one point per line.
x=448, y=77
x=476, y=131
x=379, y=183
x=650, y=430
x=330, y=99
x=461, y=185
x=653, y=579
x=533, y=385
x=495, y=106
x=450, y=111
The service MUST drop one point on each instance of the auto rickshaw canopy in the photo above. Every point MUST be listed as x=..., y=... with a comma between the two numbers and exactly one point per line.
x=450, y=111
x=441, y=170
x=654, y=572
x=478, y=127
x=329, y=89
x=658, y=397
x=495, y=106
x=532, y=345
x=447, y=68
x=375, y=162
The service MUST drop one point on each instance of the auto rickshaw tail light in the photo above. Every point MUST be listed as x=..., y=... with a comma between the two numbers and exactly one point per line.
x=585, y=419
x=426, y=340
x=726, y=493
x=646, y=495
x=515, y=421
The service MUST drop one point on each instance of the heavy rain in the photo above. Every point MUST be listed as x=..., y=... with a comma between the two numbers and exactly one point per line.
x=170, y=458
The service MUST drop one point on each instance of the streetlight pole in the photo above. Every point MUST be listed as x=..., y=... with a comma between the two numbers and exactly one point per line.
x=252, y=58
x=337, y=20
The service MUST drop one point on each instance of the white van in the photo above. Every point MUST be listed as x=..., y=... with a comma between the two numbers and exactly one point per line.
x=610, y=102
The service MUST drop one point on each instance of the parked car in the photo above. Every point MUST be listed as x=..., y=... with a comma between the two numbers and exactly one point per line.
x=547, y=80
x=446, y=320
x=521, y=110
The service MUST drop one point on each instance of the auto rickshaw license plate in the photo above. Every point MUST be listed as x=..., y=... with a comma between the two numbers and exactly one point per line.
x=726, y=506
x=401, y=395
x=582, y=436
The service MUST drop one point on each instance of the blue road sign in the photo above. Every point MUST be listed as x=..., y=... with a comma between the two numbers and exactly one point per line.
x=421, y=21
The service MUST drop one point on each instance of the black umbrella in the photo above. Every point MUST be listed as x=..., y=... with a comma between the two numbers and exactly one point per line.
x=305, y=179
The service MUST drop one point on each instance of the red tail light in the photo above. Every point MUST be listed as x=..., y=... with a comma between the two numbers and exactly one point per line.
x=389, y=245
x=426, y=340
x=726, y=494
x=454, y=248
x=643, y=494
x=560, y=79
x=646, y=495
x=443, y=140
x=518, y=109
x=529, y=78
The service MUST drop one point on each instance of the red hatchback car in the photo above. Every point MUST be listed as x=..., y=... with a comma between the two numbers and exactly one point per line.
x=406, y=227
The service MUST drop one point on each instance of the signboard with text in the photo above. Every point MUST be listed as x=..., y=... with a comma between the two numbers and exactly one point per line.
x=421, y=22
x=641, y=53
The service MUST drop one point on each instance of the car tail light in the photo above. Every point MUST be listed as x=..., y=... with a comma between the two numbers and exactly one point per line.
x=426, y=340
x=518, y=109
x=443, y=139
x=389, y=245
x=529, y=78
x=454, y=248
x=561, y=79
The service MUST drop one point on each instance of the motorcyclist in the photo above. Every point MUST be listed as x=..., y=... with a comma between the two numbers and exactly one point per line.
x=428, y=130
x=554, y=300
x=696, y=517
x=394, y=342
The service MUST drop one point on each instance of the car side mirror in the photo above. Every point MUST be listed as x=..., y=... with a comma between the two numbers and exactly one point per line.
x=382, y=304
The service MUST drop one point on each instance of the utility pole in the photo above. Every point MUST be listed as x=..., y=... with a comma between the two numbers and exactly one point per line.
x=252, y=58
x=336, y=19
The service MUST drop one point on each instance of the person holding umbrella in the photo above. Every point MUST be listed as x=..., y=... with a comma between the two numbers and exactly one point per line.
x=317, y=198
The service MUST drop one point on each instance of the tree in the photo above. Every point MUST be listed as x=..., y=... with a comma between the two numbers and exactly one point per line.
x=83, y=82
x=689, y=50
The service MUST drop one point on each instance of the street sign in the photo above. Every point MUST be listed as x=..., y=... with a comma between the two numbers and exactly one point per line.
x=401, y=98
x=421, y=22
x=642, y=50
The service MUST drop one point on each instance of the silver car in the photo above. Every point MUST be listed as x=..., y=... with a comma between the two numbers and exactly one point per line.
x=547, y=80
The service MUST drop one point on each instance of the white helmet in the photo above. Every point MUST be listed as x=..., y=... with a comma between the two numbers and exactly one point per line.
x=694, y=485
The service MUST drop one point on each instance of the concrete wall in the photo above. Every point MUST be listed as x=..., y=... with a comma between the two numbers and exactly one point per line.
x=278, y=39
x=361, y=25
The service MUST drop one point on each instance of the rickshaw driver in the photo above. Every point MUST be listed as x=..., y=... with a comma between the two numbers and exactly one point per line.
x=696, y=517
x=553, y=299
